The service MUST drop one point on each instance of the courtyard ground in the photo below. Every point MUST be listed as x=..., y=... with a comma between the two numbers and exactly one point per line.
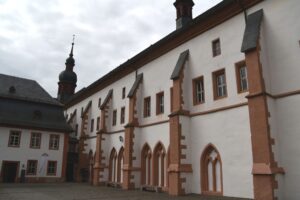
x=75, y=191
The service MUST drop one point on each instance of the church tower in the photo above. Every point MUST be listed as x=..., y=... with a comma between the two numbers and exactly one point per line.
x=184, y=12
x=67, y=79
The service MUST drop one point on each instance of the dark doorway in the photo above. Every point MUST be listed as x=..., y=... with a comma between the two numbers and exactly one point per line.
x=10, y=171
x=70, y=172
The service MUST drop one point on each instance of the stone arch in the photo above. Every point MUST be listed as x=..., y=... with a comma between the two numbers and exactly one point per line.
x=211, y=171
x=112, y=175
x=168, y=163
x=91, y=165
x=120, y=165
x=146, y=156
x=159, y=165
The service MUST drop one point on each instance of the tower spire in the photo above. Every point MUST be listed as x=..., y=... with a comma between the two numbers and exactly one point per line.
x=71, y=53
x=67, y=78
x=70, y=62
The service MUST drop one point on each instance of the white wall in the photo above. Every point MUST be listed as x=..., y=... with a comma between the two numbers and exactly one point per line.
x=228, y=130
x=280, y=61
x=232, y=138
x=25, y=153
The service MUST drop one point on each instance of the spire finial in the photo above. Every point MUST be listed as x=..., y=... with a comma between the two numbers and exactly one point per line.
x=71, y=53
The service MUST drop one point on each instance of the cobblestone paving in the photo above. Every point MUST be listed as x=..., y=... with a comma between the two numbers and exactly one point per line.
x=74, y=191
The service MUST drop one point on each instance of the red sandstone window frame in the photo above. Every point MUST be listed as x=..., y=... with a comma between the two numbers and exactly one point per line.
x=238, y=67
x=216, y=86
x=196, y=100
x=171, y=99
x=92, y=125
x=98, y=124
x=76, y=129
x=122, y=116
x=52, y=142
x=160, y=103
x=216, y=47
x=147, y=107
x=55, y=168
x=10, y=139
x=28, y=168
x=114, y=118
x=39, y=140
x=204, y=180
x=123, y=92
x=112, y=166
x=99, y=102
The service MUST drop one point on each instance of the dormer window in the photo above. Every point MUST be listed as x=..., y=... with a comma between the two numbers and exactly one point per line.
x=37, y=114
x=12, y=89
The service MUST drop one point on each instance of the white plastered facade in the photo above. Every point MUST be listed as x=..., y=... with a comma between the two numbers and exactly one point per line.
x=23, y=153
x=228, y=130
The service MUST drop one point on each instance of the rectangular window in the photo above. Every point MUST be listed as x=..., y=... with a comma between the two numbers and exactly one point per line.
x=171, y=99
x=123, y=92
x=241, y=76
x=92, y=125
x=114, y=119
x=76, y=129
x=219, y=82
x=98, y=123
x=14, y=139
x=35, y=140
x=31, y=167
x=147, y=107
x=216, y=47
x=54, y=142
x=51, y=168
x=198, y=91
x=99, y=102
x=122, y=115
x=160, y=103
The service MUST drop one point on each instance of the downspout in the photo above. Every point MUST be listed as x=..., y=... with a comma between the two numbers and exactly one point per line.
x=240, y=2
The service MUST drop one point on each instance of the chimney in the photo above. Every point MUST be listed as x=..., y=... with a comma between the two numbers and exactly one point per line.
x=184, y=12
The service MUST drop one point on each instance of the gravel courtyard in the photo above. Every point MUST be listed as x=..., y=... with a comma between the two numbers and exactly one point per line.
x=74, y=191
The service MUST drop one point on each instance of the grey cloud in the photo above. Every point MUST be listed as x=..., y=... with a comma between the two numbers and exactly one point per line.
x=107, y=34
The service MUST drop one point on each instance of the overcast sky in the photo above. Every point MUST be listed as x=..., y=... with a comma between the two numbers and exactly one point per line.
x=36, y=35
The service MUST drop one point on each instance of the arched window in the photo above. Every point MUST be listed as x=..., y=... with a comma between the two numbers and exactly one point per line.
x=168, y=163
x=146, y=165
x=113, y=166
x=91, y=164
x=211, y=171
x=120, y=165
x=159, y=166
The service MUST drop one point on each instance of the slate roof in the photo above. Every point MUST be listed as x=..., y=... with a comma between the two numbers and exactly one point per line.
x=132, y=64
x=135, y=85
x=252, y=31
x=179, y=65
x=25, y=89
x=86, y=108
x=28, y=105
x=107, y=98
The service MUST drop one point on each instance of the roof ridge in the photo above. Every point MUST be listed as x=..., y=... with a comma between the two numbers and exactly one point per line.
x=17, y=77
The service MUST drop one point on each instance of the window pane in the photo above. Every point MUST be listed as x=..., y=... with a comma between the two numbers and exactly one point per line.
x=221, y=85
x=243, y=78
x=199, y=91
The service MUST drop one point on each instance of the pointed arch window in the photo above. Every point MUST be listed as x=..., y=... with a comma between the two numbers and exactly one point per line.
x=113, y=166
x=91, y=164
x=146, y=165
x=159, y=166
x=120, y=166
x=211, y=171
